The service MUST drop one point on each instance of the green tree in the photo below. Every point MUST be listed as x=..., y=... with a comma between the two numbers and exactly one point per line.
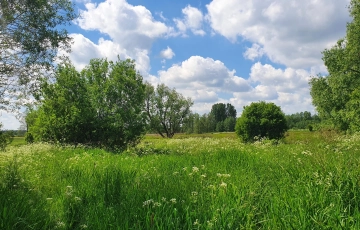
x=31, y=33
x=261, y=119
x=102, y=106
x=229, y=124
x=166, y=109
x=220, y=112
x=6, y=138
x=334, y=95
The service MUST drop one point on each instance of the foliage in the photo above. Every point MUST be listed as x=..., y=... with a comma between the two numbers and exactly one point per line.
x=31, y=33
x=222, y=118
x=101, y=106
x=259, y=120
x=220, y=112
x=336, y=95
x=5, y=138
x=166, y=109
x=302, y=120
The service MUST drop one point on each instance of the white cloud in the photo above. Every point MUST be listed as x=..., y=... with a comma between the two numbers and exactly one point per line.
x=292, y=33
x=9, y=122
x=193, y=20
x=203, y=73
x=254, y=52
x=167, y=53
x=131, y=29
x=204, y=80
x=287, y=88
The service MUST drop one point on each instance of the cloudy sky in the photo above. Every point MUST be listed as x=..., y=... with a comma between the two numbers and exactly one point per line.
x=214, y=51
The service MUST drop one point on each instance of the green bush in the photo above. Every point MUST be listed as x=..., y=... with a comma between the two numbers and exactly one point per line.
x=5, y=138
x=259, y=120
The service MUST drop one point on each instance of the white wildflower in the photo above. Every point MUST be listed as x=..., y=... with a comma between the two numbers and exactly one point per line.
x=223, y=184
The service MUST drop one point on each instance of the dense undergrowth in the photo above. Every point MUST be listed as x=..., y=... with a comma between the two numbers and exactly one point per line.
x=309, y=181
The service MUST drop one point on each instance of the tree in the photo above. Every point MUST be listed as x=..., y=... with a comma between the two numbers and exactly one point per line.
x=229, y=124
x=220, y=112
x=261, y=119
x=102, y=106
x=31, y=33
x=166, y=109
x=5, y=138
x=334, y=95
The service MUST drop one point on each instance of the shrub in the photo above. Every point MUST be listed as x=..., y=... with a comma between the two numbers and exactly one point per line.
x=261, y=119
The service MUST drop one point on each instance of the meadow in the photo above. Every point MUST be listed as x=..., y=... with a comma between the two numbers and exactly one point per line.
x=310, y=180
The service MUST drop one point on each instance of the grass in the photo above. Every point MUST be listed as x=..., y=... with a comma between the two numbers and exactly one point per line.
x=17, y=141
x=308, y=182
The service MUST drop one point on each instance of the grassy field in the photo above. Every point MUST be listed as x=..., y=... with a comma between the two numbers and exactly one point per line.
x=310, y=181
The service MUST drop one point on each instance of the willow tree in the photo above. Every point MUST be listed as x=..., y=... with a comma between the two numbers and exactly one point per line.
x=31, y=34
x=336, y=96
x=166, y=109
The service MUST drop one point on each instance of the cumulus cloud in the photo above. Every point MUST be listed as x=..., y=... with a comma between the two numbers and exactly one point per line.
x=203, y=73
x=205, y=80
x=255, y=51
x=192, y=20
x=167, y=53
x=292, y=33
x=131, y=31
x=287, y=88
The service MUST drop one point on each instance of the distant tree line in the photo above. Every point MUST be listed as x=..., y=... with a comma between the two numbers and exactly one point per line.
x=221, y=118
x=302, y=120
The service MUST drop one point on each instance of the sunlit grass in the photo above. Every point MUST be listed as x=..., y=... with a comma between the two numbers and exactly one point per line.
x=306, y=182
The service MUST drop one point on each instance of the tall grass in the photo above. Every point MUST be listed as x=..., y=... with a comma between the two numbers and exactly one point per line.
x=308, y=182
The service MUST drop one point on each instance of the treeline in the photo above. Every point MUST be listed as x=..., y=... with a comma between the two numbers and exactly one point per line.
x=221, y=118
x=302, y=120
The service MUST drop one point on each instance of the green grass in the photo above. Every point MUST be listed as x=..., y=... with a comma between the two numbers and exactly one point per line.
x=17, y=141
x=311, y=181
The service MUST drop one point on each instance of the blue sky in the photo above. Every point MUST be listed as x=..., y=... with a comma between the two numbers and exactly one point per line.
x=214, y=51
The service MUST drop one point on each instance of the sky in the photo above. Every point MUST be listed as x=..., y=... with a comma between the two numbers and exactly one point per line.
x=213, y=51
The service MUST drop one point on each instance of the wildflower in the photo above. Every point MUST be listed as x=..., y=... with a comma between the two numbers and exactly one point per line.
x=196, y=222
x=195, y=169
x=173, y=200
x=147, y=202
x=175, y=173
x=223, y=184
x=184, y=169
x=83, y=226
x=60, y=224
x=157, y=204
x=77, y=198
x=163, y=199
x=203, y=175
x=194, y=193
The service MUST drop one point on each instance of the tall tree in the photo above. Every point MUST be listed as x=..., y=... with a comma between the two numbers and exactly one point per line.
x=31, y=33
x=166, y=109
x=335, y=95
x=220, y=112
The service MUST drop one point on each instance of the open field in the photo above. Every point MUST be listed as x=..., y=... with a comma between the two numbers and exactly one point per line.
x=311, y=181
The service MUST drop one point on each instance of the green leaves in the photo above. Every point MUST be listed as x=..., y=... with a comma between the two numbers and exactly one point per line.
x=166, y=109
x=101, y=106
x=261, y=119
x=31, y=33
x=333, y=95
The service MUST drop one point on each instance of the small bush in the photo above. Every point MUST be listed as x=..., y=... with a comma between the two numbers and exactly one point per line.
x=261, y=119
